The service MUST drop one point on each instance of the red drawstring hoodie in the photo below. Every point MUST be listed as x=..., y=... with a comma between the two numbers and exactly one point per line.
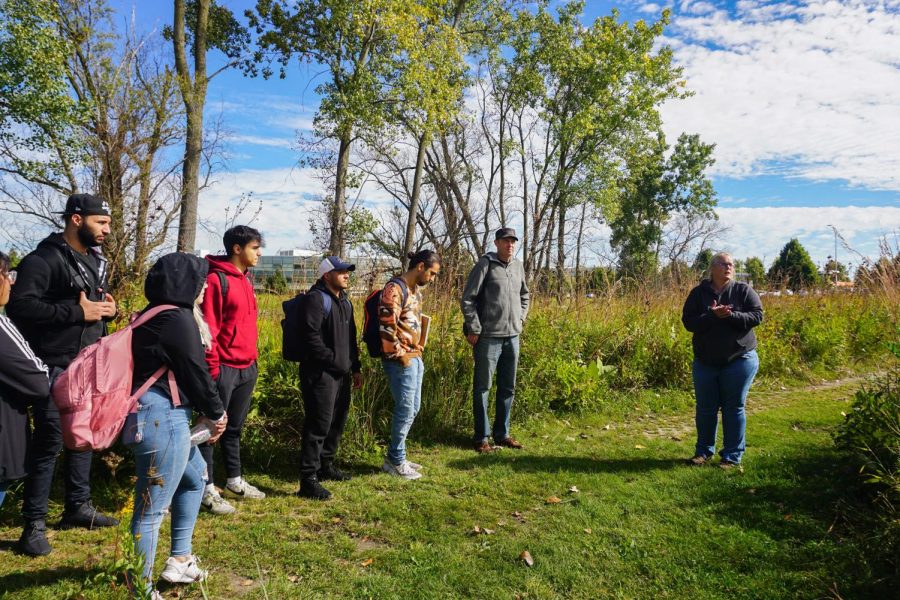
x=232, y=320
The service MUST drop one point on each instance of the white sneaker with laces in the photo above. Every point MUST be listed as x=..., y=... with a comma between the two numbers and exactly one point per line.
x=244, y=490
x=183, y=572
x=216, y=504
x=403, y=470
x=415, y=466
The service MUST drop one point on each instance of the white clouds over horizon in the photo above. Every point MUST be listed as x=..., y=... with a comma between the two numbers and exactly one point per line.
x=803, y=89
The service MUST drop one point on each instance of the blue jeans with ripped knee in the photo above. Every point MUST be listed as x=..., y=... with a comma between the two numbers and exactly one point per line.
x=171, y=474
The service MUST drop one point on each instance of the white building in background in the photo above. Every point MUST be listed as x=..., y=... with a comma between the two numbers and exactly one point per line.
x=300, y=267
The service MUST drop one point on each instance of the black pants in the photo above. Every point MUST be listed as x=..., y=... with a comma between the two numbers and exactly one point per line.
x=326, y=401
x=236, y=391
x=46, y=442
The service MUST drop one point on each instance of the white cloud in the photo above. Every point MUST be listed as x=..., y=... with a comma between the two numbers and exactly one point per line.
x=764, y=231
x=810, y=89
x=258, y=140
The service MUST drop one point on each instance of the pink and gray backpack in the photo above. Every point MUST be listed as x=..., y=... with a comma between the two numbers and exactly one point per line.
x=93, y=394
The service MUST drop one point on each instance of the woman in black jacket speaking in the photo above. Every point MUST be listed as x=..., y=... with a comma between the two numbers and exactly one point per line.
x=721, y=313
x=23, y=378
x=171, y=473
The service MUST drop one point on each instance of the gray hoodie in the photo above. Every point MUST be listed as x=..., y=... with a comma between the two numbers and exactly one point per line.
x=495, y=300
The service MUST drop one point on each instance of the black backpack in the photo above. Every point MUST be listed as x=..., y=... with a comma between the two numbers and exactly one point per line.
x=371, y=334
x=294, y=309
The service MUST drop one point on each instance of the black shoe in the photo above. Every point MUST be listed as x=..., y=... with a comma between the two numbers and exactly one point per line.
x=85, y=515
x=311, y=488
x=34, y=539
x=330, y=473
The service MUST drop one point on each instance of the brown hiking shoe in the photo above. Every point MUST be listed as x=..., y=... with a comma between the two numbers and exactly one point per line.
x=728, y=465
x=483, y=447
x=699, y=460
x=510, y=443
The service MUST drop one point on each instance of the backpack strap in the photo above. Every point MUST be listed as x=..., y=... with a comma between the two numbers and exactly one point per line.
x=223, y=283
x=326, y=301
x=403, y=288
x=173, y=386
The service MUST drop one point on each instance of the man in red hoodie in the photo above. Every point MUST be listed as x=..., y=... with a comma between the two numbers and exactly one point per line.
x=229, y=307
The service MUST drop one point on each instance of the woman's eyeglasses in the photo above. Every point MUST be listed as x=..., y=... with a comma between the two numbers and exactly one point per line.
x=11, y=275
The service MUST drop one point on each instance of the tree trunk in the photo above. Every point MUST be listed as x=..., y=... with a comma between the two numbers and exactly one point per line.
x=424, y=140
x=194, y=95
x=578, y=277
x=336, y=240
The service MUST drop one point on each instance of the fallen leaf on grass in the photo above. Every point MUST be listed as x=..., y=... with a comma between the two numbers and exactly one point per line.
x=573, y=490
x=518, y=516
x=584, y=436
x=367, y=562
x=569, y=438
x=478, y=530
x=587, y=530
x=676, y=438
x=545, y=437
x=788, y=517
x=606, y=427
x=247, y=582
x=335, y=520
x=293, y=578
x=751, y=491
x=553, y=500
x=526, y=558
x=639, y=447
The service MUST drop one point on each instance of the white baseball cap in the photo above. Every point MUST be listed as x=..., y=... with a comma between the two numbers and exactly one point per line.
x=334, y=263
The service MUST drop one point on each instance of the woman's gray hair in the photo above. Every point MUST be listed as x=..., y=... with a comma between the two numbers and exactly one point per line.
x=717, y=257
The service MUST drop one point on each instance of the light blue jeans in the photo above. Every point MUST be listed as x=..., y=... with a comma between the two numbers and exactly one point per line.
x=406, y=388
x=723, y=388
x=4, y=485
x=500, y=354
x=171, y=475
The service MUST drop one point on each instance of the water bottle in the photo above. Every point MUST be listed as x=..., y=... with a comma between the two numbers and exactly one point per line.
x=200, y=433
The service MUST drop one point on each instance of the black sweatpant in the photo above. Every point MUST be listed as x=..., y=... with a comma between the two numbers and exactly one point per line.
x=236, y=391
x=46, y=442
x=326, y=401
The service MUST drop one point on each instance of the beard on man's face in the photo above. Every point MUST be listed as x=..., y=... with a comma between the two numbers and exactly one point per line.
x=87, y=237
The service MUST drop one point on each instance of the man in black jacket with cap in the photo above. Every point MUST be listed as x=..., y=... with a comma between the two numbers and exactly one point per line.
x=331, y=364
x=60, y=304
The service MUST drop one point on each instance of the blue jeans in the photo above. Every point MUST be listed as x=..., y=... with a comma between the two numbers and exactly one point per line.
x=406, y=388
x=4, y=485
x=723, y=388
x=500, y=354
x=170, y=473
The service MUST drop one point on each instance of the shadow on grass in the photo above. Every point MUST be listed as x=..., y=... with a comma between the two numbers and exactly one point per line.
x=529, y=463
x=42, y=577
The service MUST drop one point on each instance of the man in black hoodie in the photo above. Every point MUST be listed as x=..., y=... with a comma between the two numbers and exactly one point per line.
x=60, y=304
x=328, y=337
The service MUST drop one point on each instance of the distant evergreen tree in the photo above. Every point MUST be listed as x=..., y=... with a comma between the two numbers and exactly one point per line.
x=756, y=271
x=793, y=268
x=702, y=261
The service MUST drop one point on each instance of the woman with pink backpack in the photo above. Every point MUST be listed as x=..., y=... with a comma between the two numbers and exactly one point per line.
x=171, y=473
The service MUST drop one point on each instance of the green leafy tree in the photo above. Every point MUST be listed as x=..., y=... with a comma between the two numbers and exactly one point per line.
x=361, y=47
x=656, y=188
x=835, y=271
x=793, y=268
x=702, y=262
x=276, y=283
x=756, y=271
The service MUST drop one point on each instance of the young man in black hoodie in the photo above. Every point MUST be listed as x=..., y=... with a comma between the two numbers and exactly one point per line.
x=60, y=304
x=329, y=367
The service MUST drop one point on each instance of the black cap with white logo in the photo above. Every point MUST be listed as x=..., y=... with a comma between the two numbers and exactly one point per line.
x=86, y=205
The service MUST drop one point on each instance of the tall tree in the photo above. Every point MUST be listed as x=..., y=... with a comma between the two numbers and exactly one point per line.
x=656, y=188
x=756, y=271
x=360, y=45
x=202, y=24
x=793, y=268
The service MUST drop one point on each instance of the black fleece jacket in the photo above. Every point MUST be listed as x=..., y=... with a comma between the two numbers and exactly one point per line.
x=328, y=340
x=718, y=341
x=172, y=337
x=23, y=379
x=44, y=302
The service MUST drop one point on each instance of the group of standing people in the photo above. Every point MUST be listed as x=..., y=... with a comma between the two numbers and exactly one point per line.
x=205, y=336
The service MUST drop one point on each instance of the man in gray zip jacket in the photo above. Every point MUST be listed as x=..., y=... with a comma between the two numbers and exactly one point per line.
x=494, y=306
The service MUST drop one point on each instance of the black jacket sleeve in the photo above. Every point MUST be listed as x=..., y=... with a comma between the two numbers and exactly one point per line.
x=356, y=365
x=696, y=317
x=21, y=372
x=181, y=342
x=26, y=302
x=751, y=314
x=311, y=330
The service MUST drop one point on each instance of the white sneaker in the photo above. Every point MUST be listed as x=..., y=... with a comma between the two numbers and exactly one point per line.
x=154, y=595
x=183, y=572
x=415, y=466
x=403, y=470
x=216, y=504
x=244, y=490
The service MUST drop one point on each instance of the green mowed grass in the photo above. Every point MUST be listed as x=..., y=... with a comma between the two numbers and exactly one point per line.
x=641, y=524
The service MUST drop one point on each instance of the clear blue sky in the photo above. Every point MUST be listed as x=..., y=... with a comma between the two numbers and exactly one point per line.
x=802, y=100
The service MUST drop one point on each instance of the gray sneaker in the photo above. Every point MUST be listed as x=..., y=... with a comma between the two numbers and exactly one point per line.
x=244, y=491
x=216, y=504
x=403, y=470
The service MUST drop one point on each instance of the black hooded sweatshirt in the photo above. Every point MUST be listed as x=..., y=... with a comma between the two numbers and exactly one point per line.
x=329, y=340
x=718, y=341
x=44, y=302
x=172, y=337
